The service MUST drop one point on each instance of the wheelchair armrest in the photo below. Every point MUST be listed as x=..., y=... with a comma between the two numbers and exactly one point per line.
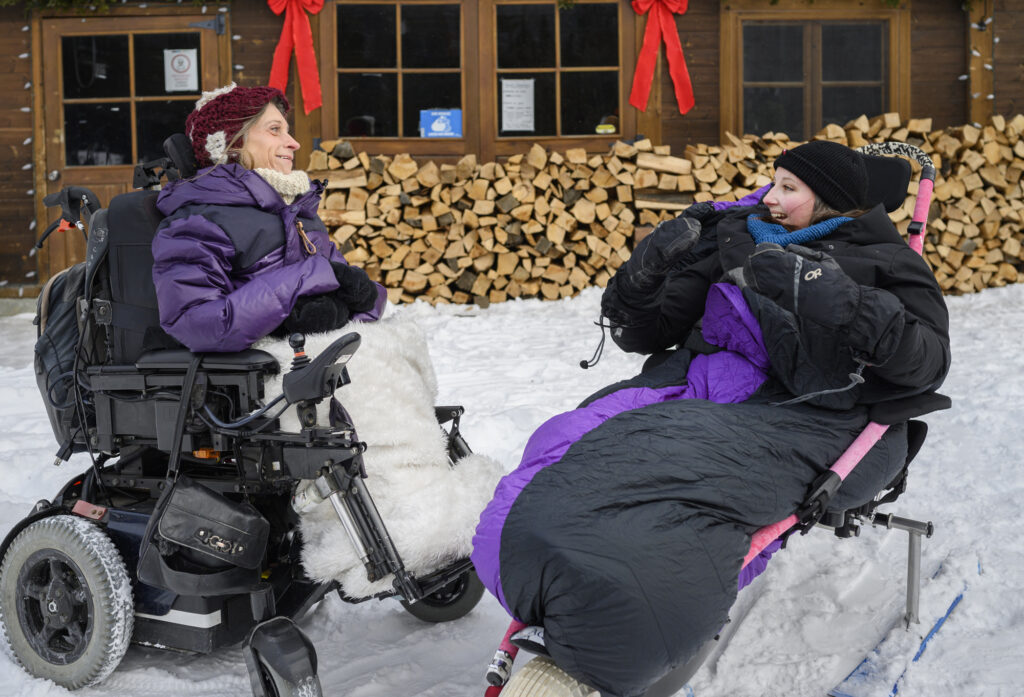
x=319, y=378
x=178, y=359
x=446, y=414
x=899, y=410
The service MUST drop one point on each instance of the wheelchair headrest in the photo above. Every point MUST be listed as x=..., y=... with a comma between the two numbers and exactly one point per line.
x=179, y=148
x=888, y=179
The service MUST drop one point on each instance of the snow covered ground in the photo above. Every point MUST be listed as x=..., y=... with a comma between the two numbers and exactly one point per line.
x=797, y=631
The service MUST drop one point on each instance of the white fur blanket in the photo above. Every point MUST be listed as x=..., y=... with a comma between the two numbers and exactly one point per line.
x=429, y=507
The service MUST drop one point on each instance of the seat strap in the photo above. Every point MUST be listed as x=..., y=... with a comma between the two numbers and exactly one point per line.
x=174, y=459
x=134, y=317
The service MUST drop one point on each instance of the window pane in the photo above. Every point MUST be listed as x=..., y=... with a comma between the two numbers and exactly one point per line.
x=95, y=66
x=526, y=36
x=774, y=109
x=156, y=121
x=773, y=53
x=840, y=104
x=366, y=36
x=590, y=34
x=540, y=110
x=425, y=91
x=98, y=134
x=589, y=99
x=149, y=62
x=431, y=36
x=368, y=104
x=841, y=42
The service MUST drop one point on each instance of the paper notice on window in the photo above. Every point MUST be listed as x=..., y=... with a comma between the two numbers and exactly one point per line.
x=181, y=70
x=517, y=105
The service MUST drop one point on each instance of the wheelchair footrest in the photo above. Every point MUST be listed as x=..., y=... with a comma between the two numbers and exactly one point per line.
x=281, y=660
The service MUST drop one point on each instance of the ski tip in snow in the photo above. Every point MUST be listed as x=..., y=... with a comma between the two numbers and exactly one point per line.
x=874, y=672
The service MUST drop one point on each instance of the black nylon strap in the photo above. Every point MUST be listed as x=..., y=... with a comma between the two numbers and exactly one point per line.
x=179, y=421
x=133, y=317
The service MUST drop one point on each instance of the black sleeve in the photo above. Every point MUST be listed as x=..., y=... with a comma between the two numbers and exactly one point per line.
x=664, y=319
x=921, y=355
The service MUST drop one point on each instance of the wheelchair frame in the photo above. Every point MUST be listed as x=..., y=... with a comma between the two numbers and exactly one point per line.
x=226, y=437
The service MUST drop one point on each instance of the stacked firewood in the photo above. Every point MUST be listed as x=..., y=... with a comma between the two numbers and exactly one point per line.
x=547, y=224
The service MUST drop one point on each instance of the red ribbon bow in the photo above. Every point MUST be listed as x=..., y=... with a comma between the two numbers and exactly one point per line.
x=298, y=36
x=661, y=21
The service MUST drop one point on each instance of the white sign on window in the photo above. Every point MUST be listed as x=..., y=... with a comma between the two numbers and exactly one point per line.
x=517, y=105
x=181, y=70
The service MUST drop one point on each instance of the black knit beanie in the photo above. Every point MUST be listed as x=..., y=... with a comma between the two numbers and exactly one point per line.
x=834, y=172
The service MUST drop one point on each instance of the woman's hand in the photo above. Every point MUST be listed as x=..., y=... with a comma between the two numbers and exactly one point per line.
x=806, y=282
x=355, y=289
x=314, y=314
x=656, y=254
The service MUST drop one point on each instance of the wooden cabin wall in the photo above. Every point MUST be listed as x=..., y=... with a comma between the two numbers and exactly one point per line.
x=16, y=181
x=1008, y=55
x=938, y=57
x=699, y=35
x=254, y=34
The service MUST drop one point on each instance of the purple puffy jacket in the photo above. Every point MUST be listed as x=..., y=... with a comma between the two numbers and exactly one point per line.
x=228, y=262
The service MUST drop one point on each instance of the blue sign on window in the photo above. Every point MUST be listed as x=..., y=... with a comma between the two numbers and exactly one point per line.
x=440, y=123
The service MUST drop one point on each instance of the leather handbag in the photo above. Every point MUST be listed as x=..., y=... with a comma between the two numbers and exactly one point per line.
x=205, y=521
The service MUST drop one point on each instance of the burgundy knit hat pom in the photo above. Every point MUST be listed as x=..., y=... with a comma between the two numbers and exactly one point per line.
x=220, y=114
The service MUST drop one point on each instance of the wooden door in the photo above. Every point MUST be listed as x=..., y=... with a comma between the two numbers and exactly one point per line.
x=115, y=87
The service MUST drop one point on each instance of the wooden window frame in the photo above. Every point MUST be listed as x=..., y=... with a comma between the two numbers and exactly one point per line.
x=494, y=145
x=140, y=26
x=480, y=89
x=48, y=91
x=736, y=13
x=329, y=71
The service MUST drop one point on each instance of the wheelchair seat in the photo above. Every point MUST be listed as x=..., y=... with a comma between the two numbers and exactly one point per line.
x=179, y=359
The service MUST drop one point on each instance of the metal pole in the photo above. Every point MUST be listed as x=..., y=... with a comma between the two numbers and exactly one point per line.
x=915, y=529
x=913, y=577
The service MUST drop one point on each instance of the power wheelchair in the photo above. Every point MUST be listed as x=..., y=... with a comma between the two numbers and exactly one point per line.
x=183, y=532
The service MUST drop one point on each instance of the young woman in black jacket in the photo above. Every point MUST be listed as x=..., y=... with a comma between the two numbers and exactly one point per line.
x=823, y=274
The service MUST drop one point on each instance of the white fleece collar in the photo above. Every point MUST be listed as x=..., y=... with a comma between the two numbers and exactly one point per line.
x=290, y=186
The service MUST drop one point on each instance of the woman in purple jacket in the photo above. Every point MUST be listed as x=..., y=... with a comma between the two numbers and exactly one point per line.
x=242, y=253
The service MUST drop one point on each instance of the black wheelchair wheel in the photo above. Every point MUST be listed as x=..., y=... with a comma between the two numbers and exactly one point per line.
x=66, y=609
x=450, y=602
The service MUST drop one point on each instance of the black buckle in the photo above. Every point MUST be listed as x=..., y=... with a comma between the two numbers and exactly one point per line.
x=816, y=502
x=102, y=312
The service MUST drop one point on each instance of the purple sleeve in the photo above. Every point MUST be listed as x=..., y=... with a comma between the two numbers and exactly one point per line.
x=200, y=304
x=748, y=200
x=758, y=564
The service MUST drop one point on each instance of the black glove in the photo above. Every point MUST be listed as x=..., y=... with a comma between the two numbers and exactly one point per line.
x=700, y=211
x=355, y=289
x=315, y=313
x=805, y=282
x=656, y=254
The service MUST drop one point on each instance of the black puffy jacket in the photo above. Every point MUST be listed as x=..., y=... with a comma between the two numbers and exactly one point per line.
x=905, y=309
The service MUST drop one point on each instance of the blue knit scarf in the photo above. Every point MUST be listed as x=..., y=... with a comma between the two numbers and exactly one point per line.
x=763, y=231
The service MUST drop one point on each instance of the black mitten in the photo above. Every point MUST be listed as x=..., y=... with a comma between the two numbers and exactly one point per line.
x=805, y=282
x=355, y=289
x=315, y=313
x=700, y=211
x=656, y=254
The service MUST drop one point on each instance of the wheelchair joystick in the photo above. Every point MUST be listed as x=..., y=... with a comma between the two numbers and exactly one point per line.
x=298, y=343
x=306, y=409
